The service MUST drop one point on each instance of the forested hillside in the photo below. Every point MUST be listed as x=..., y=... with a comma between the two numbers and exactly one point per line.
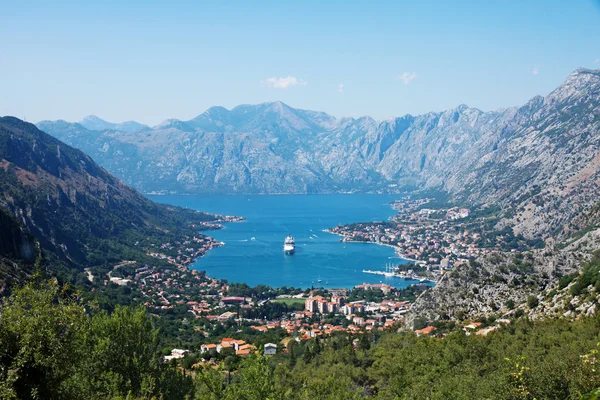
x=56, y=347
x=80, y=214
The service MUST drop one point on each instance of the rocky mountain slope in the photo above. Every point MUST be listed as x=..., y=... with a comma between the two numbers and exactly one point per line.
x=533, y=161
x=19, y=252
x=80, y=215
x=557, y=281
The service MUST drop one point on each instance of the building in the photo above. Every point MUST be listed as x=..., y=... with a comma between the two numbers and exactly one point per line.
x=226, y=316
x=320, y=305
x=119, y=281
x=270, y=349
x=425, y=331
x=232, y=300
x=354, y=308
x=176, y=354
x=338, y=300
x=208, y=348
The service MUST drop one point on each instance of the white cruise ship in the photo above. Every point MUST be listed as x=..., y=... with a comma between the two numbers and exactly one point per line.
x=289, y=246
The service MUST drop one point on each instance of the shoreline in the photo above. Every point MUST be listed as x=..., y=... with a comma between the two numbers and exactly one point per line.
x=213, y=225
x=396, y=249
x=223, y=224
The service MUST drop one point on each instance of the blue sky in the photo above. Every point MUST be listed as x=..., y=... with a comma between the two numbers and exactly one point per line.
x=148, y=61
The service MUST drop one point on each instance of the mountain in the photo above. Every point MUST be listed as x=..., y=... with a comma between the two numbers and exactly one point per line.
x=80, y=215
x=533, y=161
x=19, y=252
x=94, y=123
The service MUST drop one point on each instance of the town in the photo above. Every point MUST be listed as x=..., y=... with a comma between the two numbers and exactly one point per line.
x=434, y=239
x=218, y=319
x=208, y=320
x=237, y=319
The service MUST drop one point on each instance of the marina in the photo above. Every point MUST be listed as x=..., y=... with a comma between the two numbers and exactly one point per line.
x=392, y=271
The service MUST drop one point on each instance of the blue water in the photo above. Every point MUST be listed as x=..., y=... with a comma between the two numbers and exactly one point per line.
x=253, y=251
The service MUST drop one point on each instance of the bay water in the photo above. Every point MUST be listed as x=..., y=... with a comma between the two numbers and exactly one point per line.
x=253, y=251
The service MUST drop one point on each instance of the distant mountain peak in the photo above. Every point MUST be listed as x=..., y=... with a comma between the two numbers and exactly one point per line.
x=216, y=110
x=93, y=118
x=95, y=123
x=173, y=123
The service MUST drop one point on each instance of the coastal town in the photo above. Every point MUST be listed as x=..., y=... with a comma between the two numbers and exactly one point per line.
x=231, y=319
x=236, y=319
x=434, y=239
x=220, y=320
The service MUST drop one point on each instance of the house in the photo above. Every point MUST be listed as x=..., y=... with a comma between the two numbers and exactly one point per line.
x=472, y=326
x=224, y=345
x=176, y=354
x=270, y=349
x=237, y=344
x=425, y=331
x=208, y=348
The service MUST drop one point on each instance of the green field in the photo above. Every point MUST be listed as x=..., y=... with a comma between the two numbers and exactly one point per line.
x=289, y=302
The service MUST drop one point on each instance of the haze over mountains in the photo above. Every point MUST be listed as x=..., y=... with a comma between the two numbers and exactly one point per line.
x=535, y=160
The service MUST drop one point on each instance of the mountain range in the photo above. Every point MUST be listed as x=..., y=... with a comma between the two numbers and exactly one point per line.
x=538, y=162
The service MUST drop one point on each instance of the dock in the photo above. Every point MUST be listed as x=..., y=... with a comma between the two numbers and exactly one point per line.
x=391, y=271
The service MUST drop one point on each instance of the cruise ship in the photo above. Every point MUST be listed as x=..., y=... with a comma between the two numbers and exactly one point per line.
x=289, y=246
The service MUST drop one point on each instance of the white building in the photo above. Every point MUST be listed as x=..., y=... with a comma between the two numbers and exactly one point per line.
x=177, y=353
x=270, y=349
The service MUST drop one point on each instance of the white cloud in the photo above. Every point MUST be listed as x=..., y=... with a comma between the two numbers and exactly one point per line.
x=535, y=70
x=407, y=77
x=283, y=83
x=340, y=87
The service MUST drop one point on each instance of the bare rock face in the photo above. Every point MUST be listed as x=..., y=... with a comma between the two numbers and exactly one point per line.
x=488, y=285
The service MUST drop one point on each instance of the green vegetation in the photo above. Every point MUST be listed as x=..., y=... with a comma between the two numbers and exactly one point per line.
x=53, y=346
x=589, y=277
x=528, y=360
x=80, y=214
x=289, y=301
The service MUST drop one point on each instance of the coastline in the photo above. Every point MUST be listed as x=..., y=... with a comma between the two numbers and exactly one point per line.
x=214, y=225
x=396, y=249
x=297, y=271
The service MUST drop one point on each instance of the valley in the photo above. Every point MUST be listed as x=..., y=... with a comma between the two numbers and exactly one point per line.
x=497, y=208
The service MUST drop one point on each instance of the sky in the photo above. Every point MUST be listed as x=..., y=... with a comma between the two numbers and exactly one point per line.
x=148, y=61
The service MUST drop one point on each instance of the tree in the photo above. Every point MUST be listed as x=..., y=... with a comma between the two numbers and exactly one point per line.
x=123, y=355
x=51, y=349
x=41, y=337
x=532, y=301
x=363, y=342
x=256, y=381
